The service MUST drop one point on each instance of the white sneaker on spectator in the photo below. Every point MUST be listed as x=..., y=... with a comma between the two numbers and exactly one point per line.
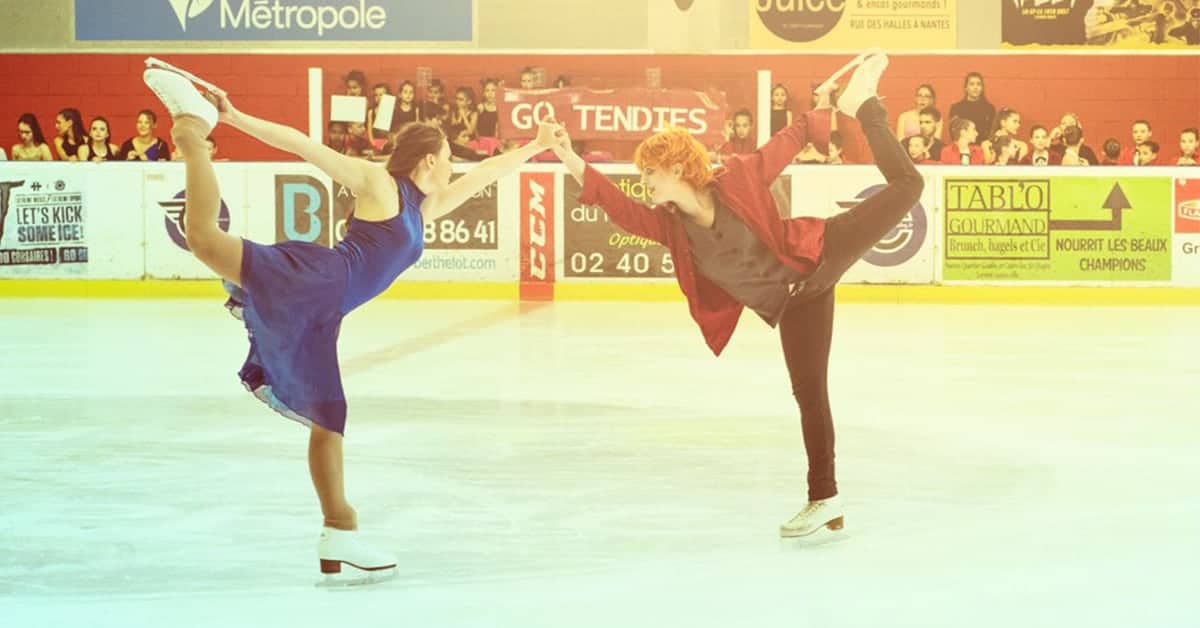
x=863, y=85
x=179, y=96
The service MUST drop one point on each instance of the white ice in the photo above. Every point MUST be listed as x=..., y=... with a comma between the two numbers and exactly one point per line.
x=591, y=464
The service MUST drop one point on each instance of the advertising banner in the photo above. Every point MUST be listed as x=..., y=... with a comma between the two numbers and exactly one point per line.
x=1057, y=228
x=164, y=200
x=1187, y=232
x=273, y=20
x=629, y=114
x=43, y=222
x=905, y=255
x=1101, y=23
x=594, y=248
x=853, y=24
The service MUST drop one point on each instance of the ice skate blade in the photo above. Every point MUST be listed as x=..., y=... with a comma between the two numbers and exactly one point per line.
x=351, y=576
x=832, y=531
x=821, y=537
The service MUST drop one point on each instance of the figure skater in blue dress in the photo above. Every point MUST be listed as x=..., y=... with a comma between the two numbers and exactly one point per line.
x=294, y=295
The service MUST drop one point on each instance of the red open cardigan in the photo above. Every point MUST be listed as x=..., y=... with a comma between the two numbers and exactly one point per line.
x=742, y=185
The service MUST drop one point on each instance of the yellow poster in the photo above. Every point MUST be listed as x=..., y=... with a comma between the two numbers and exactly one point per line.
x=852, y=24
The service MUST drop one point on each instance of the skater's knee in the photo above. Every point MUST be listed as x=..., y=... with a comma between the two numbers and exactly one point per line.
x=201, y=242
x=810, y=390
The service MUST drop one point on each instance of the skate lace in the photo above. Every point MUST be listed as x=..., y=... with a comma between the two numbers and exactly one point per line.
x=809, y=509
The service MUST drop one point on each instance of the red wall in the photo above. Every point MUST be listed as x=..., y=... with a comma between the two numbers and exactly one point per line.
x=1108, y=92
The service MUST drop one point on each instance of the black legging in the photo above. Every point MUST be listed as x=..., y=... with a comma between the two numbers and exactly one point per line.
x=806, y=328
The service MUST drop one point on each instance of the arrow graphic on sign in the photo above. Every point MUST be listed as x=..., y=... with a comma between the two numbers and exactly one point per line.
x=1116, y=202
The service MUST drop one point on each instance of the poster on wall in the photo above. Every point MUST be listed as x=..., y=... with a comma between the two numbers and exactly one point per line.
x=905, y=255
x=1101, y=23
x=1065, y=229
x=1187, y=232
x=852, y=24
x=43, y=231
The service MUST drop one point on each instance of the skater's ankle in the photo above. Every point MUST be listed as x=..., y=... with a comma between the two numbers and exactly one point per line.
x=341, y=524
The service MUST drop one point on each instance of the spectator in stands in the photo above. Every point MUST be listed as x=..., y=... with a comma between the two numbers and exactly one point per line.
x=435, y=110
x=461, y=147
x=909, y=122
x=1112, y=152
x=69, y=124
x=357, y=142
x=962, y=149
x=488, y=122
x=917, y=147
x=1040, y=153
x=1147, y=153
x=145, y=146
x=336, y=136
x=810, y=154
x=1008, y=124
x=377, y=93
x=3, y=154
x=781, y=108
x=1056, y=139
x=562, y=81
x=974, y=106
x=930, y=121
x=355, y=83
x=528, y=78
x=739, y=135
x=33, y=146
x=464, y=113
x=1189, y=32
x=1004, y=150
x=1141, y=134
x=1188, y=155
x=1073, y=147
x=406, y=106
x=100, y=147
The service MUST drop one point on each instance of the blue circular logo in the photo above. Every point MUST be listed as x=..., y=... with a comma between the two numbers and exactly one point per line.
x=173, y=218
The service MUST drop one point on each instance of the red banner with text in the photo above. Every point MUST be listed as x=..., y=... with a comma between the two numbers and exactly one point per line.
x=628, y=114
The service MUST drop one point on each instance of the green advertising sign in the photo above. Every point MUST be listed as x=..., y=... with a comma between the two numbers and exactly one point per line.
x=1057, y=229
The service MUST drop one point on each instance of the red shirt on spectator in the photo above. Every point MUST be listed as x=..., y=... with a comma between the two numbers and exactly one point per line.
x=952, y=157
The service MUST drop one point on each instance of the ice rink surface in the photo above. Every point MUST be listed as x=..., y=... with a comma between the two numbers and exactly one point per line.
x=591, y=464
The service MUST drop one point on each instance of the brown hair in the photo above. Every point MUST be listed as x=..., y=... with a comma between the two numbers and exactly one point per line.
x=413, y=141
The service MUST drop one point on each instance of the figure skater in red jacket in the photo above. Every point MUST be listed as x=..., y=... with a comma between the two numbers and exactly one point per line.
x=732, y=250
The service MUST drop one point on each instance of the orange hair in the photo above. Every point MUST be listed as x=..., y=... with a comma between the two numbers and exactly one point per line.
x=675, y=146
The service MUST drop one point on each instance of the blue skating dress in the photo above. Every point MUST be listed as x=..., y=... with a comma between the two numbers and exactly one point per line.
x=294, y=296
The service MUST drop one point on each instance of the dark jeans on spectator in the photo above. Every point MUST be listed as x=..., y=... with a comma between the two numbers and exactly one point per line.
x=806, y=328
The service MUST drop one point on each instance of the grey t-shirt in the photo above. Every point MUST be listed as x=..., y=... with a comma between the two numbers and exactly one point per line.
x=731, y=256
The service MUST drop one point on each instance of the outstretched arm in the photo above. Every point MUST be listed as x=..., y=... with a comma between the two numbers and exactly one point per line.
x=461, y=190
x=356, y=174
x=627, y=214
